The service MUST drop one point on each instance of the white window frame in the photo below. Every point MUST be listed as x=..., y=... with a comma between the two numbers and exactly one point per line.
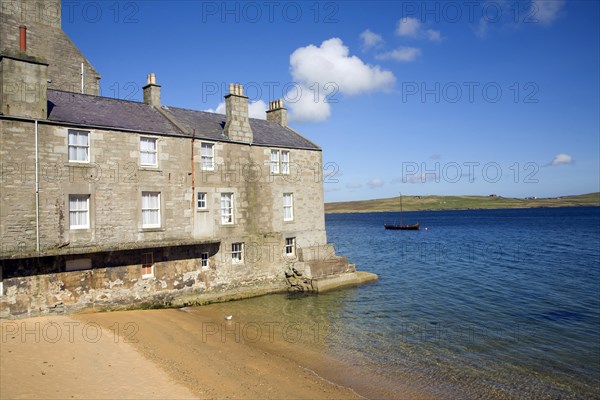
x=228, y=213
x=289, y=207
x=275, y=157
x=237, y=253
x=150, y=209
x=148, y=263
x=207, y=161
x=204, y=259
x=201, y=201
x=76, y=145
x=280, y=162
x=290, y=247
x=82, y=199
x=153, y=152
x=285, y=162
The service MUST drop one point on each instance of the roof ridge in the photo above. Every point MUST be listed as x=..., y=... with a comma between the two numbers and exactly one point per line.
x=97, y=96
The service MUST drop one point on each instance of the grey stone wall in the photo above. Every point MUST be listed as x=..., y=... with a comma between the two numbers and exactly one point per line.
x=114, y=181
x=46, y=40
x=21, y=91
x=237, y=126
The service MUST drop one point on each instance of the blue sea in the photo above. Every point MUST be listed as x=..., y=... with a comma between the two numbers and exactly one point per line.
x=478, y=304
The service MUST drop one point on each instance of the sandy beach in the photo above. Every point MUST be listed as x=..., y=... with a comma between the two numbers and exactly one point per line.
x=158, y=354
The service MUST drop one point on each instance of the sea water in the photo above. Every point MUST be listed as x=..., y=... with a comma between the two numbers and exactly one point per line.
x=476, y=304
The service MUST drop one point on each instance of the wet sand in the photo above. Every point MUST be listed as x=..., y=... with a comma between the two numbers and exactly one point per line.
x=156, y=354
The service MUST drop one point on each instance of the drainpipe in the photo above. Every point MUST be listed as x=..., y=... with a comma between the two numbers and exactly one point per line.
x=37, y=191
x=22, y=38
x=82, y=82
x=193, y=177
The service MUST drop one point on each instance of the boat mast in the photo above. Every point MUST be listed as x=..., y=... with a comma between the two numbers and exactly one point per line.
x=400, y=208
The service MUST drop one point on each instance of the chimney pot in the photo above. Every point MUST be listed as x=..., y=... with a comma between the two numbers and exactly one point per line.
x=152, y=91
x=277, y=112
x=237, y=124
x=23, y=38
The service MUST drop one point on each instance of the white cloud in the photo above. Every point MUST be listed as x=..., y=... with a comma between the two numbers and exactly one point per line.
x=256, y=109
x=408, y=26
x=434, y=36
x=370, y=39
x=411, y=27
x=546, y=11
x=305, y=106
x=331, y=63
x=219, y=110
x=332, y=69
x=561, y=159
x=375, y=183
x=402, y=54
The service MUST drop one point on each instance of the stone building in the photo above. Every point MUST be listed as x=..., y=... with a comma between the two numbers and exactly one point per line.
x=108, y=203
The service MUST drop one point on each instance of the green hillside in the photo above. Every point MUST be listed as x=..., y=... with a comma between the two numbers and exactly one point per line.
x=411, y=203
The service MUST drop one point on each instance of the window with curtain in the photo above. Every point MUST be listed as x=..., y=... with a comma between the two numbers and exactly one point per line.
x=150, y=209
x=207, y=157
x=227, y=208
x=285, y=162
x=148, y=152
x=274, y=161
x=288, y=206
x=79, y=146
x=79, y=211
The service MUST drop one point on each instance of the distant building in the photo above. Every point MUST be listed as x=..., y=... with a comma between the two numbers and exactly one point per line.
x=108, y=203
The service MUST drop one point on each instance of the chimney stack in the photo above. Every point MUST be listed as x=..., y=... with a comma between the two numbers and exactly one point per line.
x=22, y=38
x=152, y=91
x=277, y=112
x=237, y=124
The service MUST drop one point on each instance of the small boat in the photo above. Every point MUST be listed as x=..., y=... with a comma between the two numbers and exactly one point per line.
x=401, y=226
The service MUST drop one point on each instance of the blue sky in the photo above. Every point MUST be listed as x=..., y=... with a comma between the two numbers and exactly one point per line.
x=439, y=98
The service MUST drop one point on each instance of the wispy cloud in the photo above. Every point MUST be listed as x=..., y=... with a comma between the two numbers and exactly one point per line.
x=370, y=40
x=482, y=28
x=408, y=26
x=546, y=11
x=562, y=159
x=402, y=54
x=531, y=13
x=412, y=27
x=375, y=183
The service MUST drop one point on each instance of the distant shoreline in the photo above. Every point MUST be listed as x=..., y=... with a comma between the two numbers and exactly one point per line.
x=459, y=203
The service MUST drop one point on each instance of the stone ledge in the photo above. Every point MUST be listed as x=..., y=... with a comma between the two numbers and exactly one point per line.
x=343, y=280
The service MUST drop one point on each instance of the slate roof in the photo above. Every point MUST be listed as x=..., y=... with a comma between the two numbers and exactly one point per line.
x=105, y=112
